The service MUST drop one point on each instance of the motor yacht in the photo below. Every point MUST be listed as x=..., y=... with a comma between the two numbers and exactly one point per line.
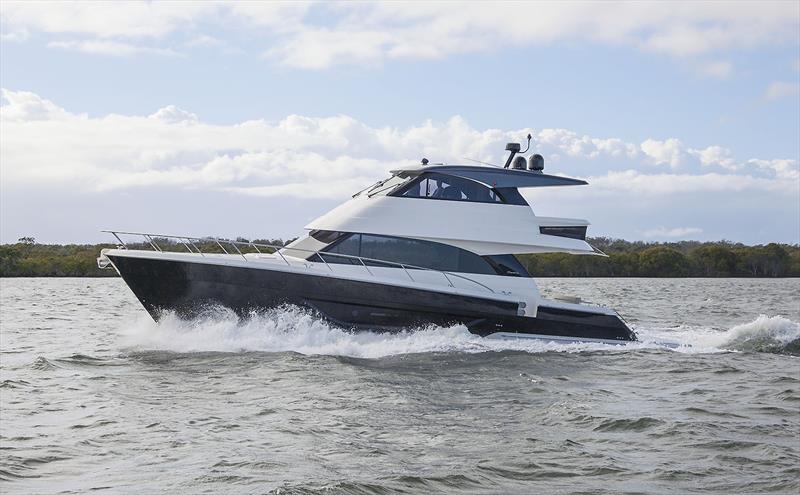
x=432, y=244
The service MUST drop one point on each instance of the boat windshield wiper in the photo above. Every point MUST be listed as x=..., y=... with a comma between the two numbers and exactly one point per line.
x=390, y=184
x=369, y=188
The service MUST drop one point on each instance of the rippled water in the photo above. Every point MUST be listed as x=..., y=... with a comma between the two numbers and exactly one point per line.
x=95, y=396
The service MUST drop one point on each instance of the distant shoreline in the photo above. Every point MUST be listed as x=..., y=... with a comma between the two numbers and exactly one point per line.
x=685, y=259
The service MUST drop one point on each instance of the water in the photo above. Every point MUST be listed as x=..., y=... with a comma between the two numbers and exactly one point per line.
x=94, y=396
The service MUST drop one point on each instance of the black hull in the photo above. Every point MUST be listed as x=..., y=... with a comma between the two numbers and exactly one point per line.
x=186, y=288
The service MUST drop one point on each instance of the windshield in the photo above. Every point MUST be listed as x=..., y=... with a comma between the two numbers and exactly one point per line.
x=440, y=186
x=384, y=187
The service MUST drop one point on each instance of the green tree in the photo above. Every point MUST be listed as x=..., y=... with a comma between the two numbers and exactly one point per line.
x=714, y=261
x=662, y=261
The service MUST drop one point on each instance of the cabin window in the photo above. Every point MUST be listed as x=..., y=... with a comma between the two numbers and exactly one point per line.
x=572, y=232
x=326, y=236
x=508, y=265
x=415, y=252
x=440, y=186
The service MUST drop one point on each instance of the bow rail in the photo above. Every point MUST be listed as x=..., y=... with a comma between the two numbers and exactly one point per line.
x=191, y=244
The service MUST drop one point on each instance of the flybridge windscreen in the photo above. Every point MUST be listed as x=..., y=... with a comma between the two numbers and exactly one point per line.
x=440, y=186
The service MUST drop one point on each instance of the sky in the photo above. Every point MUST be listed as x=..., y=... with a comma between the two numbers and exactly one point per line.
x=253, y=118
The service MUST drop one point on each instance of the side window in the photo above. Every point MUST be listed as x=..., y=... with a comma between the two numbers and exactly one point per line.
x=508, y=265
x=425, y=254
x=350, y=245
x=440, y=186
x=410, y=251
x=326, y=236
x=472, y=263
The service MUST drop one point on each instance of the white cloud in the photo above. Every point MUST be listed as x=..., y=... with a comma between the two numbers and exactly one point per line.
x=781, y=89
x=144, y=19
x=62, y=161
x=174, y=115
x=369, y=33
x=673, y=232
x=314, y=48
x=112, y=48
x=572, y=144
x=783, y=168
x=173, y=148
x=105, y=19
x=715, y=155
x=669, y=151
x=633, y=182
x=374, y=32
x=23, y=106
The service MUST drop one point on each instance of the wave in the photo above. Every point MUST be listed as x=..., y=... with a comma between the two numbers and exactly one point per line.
x=772, y=334
x=291, y=329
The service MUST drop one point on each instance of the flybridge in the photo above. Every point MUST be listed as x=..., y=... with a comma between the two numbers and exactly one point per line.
x=522, y=172
x=495, y=177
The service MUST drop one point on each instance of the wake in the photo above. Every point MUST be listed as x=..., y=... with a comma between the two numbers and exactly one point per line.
x=291, y=329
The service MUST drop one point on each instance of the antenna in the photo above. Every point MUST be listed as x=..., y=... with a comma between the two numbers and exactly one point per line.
x=478, y=161
x=529, y=144
x=514, y=149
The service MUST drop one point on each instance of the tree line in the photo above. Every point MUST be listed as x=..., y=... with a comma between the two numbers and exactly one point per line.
x=670, y=259
x=27, y=258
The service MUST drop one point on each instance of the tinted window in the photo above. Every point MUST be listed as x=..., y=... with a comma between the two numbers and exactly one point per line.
x=439, y=186
x=414, y=252
x=577, y=232
x=326, y=236
x=508, y=265
x=350, y=244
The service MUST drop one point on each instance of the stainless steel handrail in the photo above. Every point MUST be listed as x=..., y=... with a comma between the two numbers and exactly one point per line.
x=153, y=238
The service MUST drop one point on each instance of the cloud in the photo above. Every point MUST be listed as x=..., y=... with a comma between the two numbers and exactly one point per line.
x=174, y=115
x=778, y=90
x=296, y=156
x=23, y=106
x=80, y=166
x=105, y=19
x=669, y=151
x=144, y=19
x=673, y=232
x=112, y=48
x=783, y=168
x=376, y=32
x=371, y=33
x=715, y=155
x=633, y=182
